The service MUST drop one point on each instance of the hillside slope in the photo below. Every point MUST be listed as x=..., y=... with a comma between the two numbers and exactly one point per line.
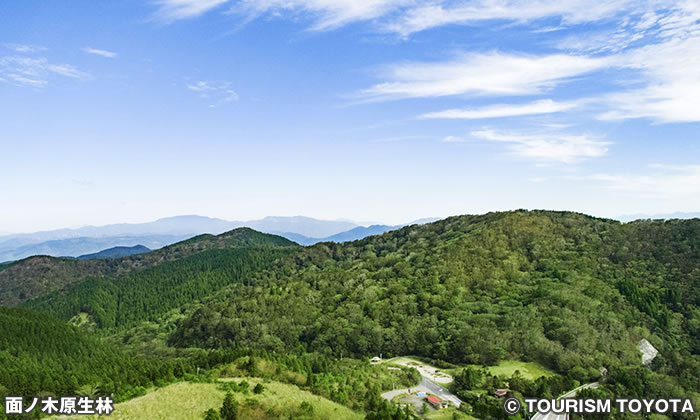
x=189, y=401
x=38, y=276
x=573, y=292
x=39, y=354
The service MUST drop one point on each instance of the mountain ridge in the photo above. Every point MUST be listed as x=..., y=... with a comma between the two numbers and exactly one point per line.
x=39, y=275
x=154, y=235
x=354, y=234
x=117, y=252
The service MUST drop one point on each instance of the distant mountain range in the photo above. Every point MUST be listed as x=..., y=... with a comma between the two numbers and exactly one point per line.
x=11, y=249
x=676, y=215
x=353, y=234
x=163, y=232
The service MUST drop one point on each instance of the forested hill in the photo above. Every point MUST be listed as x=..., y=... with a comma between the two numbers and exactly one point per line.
x=38, y=276
x=116, y=252
x=573, y=292
x=38, y=354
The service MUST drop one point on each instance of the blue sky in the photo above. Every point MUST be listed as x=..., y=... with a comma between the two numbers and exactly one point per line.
x=382, y=110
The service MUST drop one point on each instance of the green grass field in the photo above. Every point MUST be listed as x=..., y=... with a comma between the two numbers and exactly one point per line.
x=189, y=401
x=528, y=370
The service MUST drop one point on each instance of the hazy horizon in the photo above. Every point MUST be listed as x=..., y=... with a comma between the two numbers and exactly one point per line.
x=623, y=218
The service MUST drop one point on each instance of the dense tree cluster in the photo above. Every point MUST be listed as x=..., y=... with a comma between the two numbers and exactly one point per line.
x=39, y=354
x=39, y=276
x=118, y=302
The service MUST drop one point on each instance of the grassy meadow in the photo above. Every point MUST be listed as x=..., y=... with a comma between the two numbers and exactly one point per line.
x=189, y=401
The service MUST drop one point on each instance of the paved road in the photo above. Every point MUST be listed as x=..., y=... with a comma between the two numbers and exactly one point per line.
x=570, y=394
x=428, y=387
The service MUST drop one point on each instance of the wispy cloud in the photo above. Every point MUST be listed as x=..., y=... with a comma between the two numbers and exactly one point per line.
x=670, y=72
x=103, y=53
x=654, y=52
x=35, y=72
x=656, y=40
x=25, y=48
x=172, y=10
x=565, y=148
x=403, y=17
x=494, y=74
x=453, y=139
x=327, y=14
x=666, y=181
x=658, y=45
x=219, y=92
x=545, y=106
x=427, y=15
x=651, y=22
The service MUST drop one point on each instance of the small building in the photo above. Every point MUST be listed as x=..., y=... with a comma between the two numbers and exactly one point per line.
x=375, y=360
x=436, y=402
x=501, y=392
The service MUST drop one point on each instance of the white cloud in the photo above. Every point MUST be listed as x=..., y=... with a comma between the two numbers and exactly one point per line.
x=668, y=181
x=657, y=40
x=25, y=48
x=670, y=72
x=404, y=17
x=655, y=54
x=658, y=47
x=220, y=91
x=433, y=14
x=545, y=106
x=565, y=148
x=103, y=53
x=66, y=70
x=649, y=23
x=492, y=73
x=172, y=10
x=201, y=86
x=35, y=72
x=453, y=139
x=329, y=14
